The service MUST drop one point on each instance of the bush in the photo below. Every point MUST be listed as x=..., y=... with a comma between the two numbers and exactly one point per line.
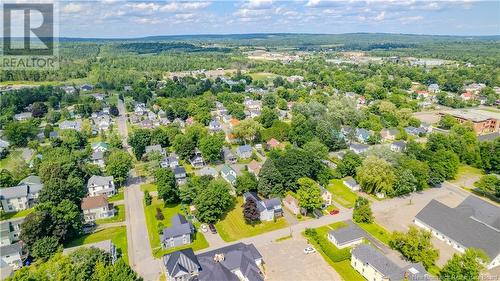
x=147, y=198
x=159, y=215
x=160, y=226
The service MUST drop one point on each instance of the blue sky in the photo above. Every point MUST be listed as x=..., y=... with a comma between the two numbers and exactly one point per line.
x=118, y=19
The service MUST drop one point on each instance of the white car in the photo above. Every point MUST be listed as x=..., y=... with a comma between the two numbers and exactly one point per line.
x=309, y=250
x=204, y=228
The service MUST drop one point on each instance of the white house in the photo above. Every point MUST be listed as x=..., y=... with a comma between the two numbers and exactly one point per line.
x=98, y=185
x=229, y=174
x=20, y=197
x=269, y=209
x=96, y=207
x=351, y=183
x=347, y=236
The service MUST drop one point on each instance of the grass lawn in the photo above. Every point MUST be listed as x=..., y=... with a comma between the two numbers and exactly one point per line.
x=149, y=187
x=346, y=271
x=263, y=76
x=13, y=160
x=342, y=194
x=118, y=236
x=20, y=214
x=466, y=171
x=233, y=226
x=119, y=216
x=377, y=231
x=154, y=226
x=117, y=197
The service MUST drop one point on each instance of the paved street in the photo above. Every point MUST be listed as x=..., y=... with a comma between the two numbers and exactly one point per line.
x=139, y=249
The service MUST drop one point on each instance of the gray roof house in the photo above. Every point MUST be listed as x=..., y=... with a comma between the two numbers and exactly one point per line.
x=71, y=125
x=231, y=263
x=362, y=135
x=178, y=234
x=244, y=151
x=358, y=148
x=12, y=255
x=346, y=236
x=229, y=156
x=97, y=158
x=170, y=161
x=398, y=146
x=268, y=208
x=229, y=174
x=98, y=185
x=208, y=171
x=197, y=160
x=351, y=183
x=20, y=197
x=179, y=174
x=214, y=126
x=374, y=265
x=474, y=223
x=155, y=148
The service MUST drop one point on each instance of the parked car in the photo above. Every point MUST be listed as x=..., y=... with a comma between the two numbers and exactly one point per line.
x=204, y=228
x=212, y=228
x=334, y=212
x=309, y=250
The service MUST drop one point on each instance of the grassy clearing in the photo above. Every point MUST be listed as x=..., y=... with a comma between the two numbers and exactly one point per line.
x=465, y=171
x=118, y=196
x=342, y=194
x=263, y=76
x=346, y=271
x=119, y=216
x=13, y=160
x=377, y=231
x=20, y=214
x=118, y=236
x=233, y=226
x=149, y=187
x=154, y=226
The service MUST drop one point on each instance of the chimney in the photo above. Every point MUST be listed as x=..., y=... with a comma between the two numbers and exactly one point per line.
x=219, y=257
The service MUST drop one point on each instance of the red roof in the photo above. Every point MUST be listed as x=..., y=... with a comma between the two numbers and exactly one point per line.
x=89, y=203
x=273, y=142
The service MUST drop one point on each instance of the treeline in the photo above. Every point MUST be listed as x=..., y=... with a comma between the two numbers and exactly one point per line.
x=160, y=47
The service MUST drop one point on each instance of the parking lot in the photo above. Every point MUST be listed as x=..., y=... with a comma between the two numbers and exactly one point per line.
x=286, y=260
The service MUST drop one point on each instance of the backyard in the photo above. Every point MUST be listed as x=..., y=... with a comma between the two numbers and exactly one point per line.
x=117, y=197
x=377, y=231
x=118, y=236
x=233, y=226
x=119, y=216
x=13, y=215
x=13, y=160
x=154, y=226
x=149, y=187
x=342, y=194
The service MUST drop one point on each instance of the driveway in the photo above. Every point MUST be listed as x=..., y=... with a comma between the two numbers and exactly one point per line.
x=139, y=249
x=285, y=260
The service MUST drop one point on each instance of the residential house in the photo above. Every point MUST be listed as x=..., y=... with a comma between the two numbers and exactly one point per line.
x=96, y=207
x=4, y=145
x=389, y=134
x=189, y=121
x=292, y=204
x=229, y=157
x=155, y=149
x=398, y=146
x=179, y=174
x=417, y=132
x=10, y=231
x=197, y=159
x=231, y=263
x=86, y=87
x=374, y=265
x=107, y=246
x=97, y=158
x=329, y=163
x=433, y=88
x=347, y=236
x=233, y=123
x=351, y=183
x=254, y=167
x=102, y=123
x=326, y=196
x=20, y=197
x=269, y=209
x=140, y=108
x=474, y=223
x=474, y=88
x=178, y=234
x=358, y=148
x=362, y=135
x=71, y=125
x=98, y=96
x=170, y=161
x=273, y=143
x=23, y=116
x=69, y=90
x=100, y=147
x=244, y=151
x=467, y=96
x=214, y=126
x=229, y=174
x=12, y=255
x=98, y=185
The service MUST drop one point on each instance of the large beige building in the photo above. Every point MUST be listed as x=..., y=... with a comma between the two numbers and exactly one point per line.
x=484, y=121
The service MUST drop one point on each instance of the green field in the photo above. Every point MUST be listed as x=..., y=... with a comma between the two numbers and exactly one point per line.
x=342, y=194
x=13, y=160
x=117, y=197
x=464, y=172
x=263, y=76
x=149, y=187
x=154, y=226
x=13, y=215
x=118, y=236
x=233, y=226
x=377, y=231
x=119, y=216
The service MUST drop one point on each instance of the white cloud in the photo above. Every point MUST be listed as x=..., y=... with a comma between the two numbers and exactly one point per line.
x=258, y=4
x=380, y=16
x=72, y=8
x=184, y=6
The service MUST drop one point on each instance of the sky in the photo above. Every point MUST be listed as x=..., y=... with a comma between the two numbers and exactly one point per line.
x=129, y=19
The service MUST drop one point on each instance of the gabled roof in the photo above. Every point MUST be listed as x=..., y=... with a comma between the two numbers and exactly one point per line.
x=244, y=149
x=181, y=262
x=11, y=249
x=99, y=181
x=351, y=181
x=347, y=234
x=94, y=202
x=180, y=226
x=31, y=180
x=14, y=192
x=179, y=170
x=463, y=224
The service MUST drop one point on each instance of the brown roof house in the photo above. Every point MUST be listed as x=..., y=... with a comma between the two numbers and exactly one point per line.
x=254, y=167
x=96, y=207
x=273, y=143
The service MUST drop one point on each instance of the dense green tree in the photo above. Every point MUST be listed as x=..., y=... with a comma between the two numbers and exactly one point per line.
x=268, y=116
x=250, y=211
x=247, y=130
x=490, y=156
x=443, y=165
x=213, y=202
x=167, y=188
x=139, y=139
x=349, y=163
x=279, y=130
x=362, y=212
x=375, y=175
x=269, y=101
x=447, y=122
x=20, y=132
x=184, y=146
x=45, y=247
x=415, y=245
x=489, y=184
x=302, y=129
x=118, y=165
x=316, y=148
x=405, y=182
x=309, y=194
x=57, y=189
x=464, y=267
x=6, y=178
x=270, y=179
x=211, y=147
x=246, y=182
